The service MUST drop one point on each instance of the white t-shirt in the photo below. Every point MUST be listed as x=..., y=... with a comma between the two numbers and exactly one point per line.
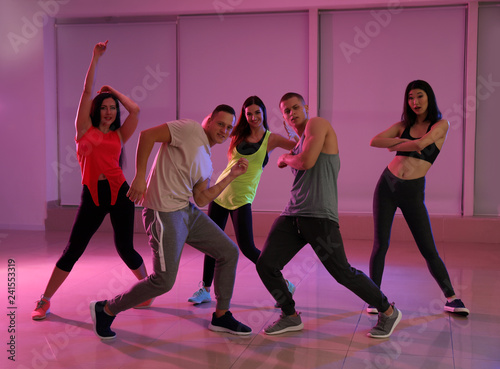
x=178, y=167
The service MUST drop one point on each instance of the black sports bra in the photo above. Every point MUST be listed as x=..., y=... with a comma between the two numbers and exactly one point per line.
x=249, y=148
x=429, y=153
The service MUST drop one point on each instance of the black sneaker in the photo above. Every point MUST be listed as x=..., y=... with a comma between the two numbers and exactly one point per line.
x=386, y=324
x=102, y=321
x=227, y=323
x=457, y=307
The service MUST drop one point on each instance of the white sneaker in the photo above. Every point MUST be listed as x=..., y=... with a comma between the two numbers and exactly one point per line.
x=291, y=288
x=200, y=296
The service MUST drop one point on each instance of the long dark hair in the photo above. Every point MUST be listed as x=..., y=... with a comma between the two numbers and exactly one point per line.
x=95, y=110
x=433, y=113
x=242, y=129
x=95, y=117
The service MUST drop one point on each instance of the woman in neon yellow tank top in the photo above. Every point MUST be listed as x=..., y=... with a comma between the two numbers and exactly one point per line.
x=252, y=140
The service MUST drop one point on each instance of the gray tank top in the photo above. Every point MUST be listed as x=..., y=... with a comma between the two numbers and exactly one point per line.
x=314, y=191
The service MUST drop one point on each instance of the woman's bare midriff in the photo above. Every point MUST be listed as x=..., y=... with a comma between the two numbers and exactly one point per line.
x=102, y=177
x=405, y=167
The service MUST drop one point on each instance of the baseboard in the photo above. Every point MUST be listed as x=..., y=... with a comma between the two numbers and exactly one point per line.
x=446, y=228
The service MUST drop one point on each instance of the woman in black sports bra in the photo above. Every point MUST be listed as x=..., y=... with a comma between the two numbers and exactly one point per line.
x=417, y=140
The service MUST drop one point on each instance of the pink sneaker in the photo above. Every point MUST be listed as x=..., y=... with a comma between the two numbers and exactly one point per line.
x=41, y=310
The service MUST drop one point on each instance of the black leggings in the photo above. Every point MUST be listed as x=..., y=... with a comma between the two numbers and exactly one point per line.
x=90, y=217
x=288, y=236
x=243, y=230
x=392, y=192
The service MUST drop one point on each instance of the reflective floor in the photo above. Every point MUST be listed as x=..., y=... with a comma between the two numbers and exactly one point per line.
x=173, y=333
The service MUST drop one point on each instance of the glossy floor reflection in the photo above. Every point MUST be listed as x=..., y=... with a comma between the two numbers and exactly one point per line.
x=173, y=333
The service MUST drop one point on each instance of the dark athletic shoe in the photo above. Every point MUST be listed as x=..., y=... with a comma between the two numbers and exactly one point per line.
x=457, y=307
x=102, y=321
x=386, y=324
x=227, y=323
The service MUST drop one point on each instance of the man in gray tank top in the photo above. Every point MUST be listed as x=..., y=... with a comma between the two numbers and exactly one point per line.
x=311, y=217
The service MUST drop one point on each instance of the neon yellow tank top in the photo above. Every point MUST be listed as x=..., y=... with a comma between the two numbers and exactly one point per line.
x=242, y=190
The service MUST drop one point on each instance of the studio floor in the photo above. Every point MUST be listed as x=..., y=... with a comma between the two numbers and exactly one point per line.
x=173, y=333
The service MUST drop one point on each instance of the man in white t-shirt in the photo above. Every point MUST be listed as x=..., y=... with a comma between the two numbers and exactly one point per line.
x=181, y=170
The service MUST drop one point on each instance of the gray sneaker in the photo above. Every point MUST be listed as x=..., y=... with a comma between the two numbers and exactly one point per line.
x=386, y=324
x=286, y=323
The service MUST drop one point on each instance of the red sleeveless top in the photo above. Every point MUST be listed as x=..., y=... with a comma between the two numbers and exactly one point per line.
x=99, y=153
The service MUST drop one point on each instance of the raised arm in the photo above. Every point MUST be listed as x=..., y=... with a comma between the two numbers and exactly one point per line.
x=203, y=194
x=83, y=121
x=277, y=140
x=437, y=135
x=292, y=135
x=129, y=125
x=315, y=136
x=145, y=145
x=390, y=137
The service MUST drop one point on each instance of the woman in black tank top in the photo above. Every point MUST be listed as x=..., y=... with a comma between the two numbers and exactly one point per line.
x=402, y=185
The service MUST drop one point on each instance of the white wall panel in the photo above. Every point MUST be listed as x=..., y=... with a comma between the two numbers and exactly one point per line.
x=140, y=62
x=487, y=176
x=367, y=59
x=225, y=59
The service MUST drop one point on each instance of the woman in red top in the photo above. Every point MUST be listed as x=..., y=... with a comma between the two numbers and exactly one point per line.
x=99, y=139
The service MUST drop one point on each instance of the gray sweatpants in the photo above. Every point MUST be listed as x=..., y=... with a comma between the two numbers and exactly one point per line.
x=168, y=232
